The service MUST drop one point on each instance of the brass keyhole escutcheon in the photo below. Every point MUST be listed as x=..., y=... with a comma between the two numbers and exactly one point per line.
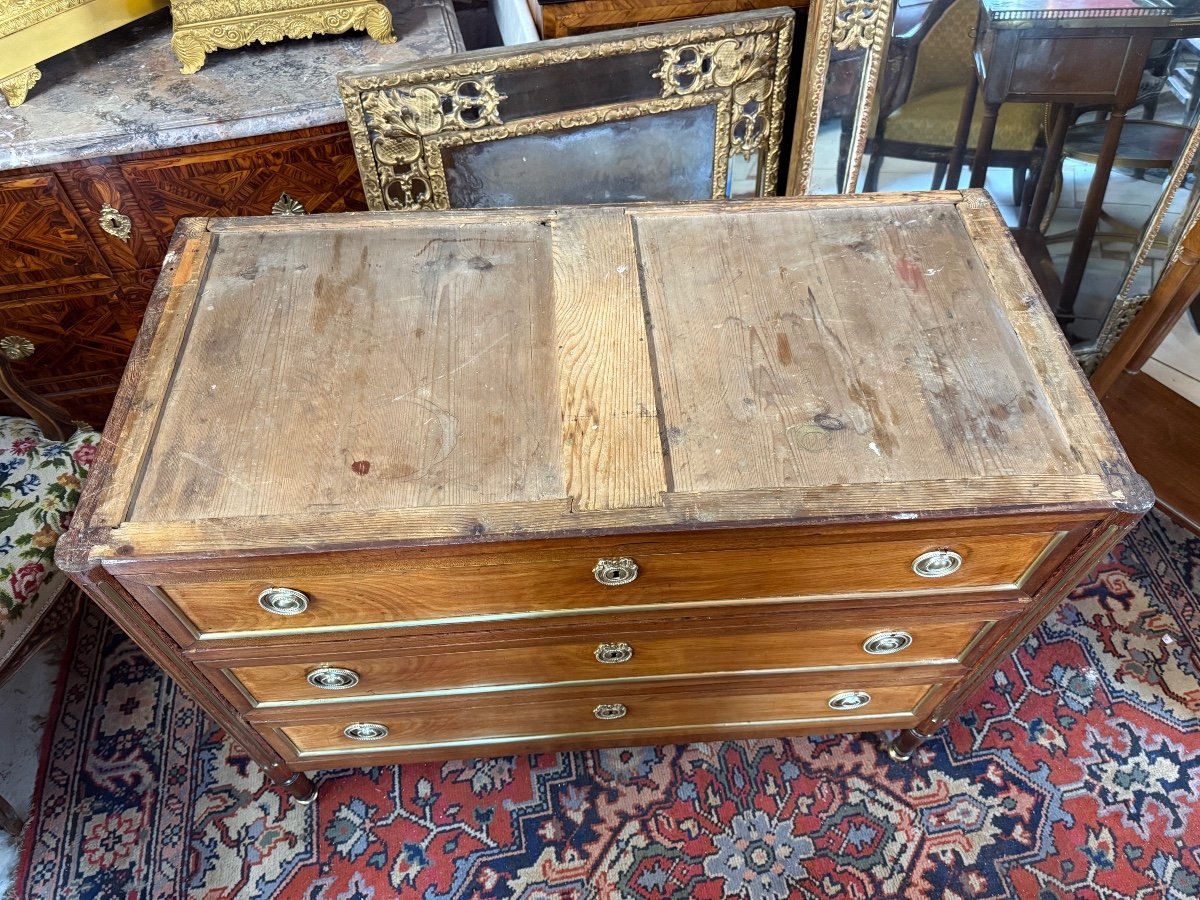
x=614, y=653
x=615, y=571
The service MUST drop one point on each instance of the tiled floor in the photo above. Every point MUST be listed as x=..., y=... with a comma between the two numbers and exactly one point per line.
x=26, y=702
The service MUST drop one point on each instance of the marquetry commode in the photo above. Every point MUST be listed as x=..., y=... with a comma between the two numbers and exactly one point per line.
x=382, y=488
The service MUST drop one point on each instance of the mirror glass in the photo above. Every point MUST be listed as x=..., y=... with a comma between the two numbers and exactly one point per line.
x=1096, y=227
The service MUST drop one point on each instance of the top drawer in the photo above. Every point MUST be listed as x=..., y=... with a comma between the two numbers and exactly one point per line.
x=347, y=595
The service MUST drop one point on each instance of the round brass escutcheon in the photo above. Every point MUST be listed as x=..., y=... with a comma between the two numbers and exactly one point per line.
x=366, y=731
x=331, y=678
x=614, y=653
x=849, y=700
x=614, y=572
x=15, y=347
x=608, y=711
x=937, y=563
x=886, y=642
x=283, y=601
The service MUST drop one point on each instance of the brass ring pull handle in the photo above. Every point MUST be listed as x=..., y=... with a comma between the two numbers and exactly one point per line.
x=886, y=642
x=331, y=678
x=614, y=572
x=608, y=711
x=116, y=223
x=937, y=563
x=611, y=654
x=849, y=700
x=366, y=731
x=283, y=601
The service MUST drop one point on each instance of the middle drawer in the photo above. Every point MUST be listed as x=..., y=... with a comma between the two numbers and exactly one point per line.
x=339, y=672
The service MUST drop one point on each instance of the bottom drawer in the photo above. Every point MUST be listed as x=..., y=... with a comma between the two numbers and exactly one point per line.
x=497, y=718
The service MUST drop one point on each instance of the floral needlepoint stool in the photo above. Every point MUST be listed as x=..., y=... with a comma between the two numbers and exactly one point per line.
x=42, y=468
x=202, y=26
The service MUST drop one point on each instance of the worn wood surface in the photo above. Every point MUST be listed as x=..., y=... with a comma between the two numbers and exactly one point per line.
x=435, y=425
x=555, y=20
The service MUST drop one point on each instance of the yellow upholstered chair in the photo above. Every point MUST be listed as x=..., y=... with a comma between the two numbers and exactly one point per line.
x=918, y=118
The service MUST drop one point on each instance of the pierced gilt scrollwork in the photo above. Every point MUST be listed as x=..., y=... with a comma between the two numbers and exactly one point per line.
x=738, y=65
x=856, y=22
x=406, y=124
x=401, y=120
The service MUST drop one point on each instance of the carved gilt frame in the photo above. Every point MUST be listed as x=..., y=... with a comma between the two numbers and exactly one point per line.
x=401, y=120
x=838, y=25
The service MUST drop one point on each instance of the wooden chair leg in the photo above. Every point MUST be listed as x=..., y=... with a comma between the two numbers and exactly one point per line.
x=9, y=820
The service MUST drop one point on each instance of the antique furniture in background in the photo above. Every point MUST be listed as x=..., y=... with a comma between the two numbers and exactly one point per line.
x=202, y=26
x=35, y=30
x=43, y=461
x=594, y=476
x=687, y=111
x=919, y=117
x=860, y=30
x=566, y=18
x=99, y=166
x=1055, y=52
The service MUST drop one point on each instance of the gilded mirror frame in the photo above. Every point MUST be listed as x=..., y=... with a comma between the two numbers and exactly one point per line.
x=402, y=120
x=838, y=25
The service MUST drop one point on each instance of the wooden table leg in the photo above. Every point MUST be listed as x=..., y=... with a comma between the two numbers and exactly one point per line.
x=1088, y=221
x=1051, y=165
x=983, y=148
x=963, y=133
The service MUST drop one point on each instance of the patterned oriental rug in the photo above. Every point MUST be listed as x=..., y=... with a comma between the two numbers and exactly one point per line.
x=1074, y=773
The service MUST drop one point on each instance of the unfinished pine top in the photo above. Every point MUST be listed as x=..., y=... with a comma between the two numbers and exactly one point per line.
x=481, y=374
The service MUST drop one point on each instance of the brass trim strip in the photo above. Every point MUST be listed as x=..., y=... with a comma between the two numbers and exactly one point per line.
x=1040, y=558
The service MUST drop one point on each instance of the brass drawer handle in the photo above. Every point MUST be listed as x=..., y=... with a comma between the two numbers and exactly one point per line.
x=887, y=642
x=115, y=222
x=331, y=678
x=849, y=700
x=609, y=711
x=366, y=731
x=614, y=572
x=937, y=563
x=611, y=654
x=283, y=601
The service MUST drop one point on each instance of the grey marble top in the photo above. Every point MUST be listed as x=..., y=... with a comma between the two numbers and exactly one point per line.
x=122, y=93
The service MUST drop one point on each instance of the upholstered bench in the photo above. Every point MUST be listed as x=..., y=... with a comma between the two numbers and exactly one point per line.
x=42, y=465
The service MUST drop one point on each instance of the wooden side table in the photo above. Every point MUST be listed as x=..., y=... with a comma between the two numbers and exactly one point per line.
x=1055, y=51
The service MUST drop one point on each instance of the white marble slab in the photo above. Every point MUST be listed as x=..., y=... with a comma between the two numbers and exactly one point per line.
x=122, y=93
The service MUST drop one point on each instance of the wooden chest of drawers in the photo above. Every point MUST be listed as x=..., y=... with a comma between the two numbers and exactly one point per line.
x=382, y=488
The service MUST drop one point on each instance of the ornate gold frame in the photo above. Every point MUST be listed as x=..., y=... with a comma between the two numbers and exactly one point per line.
x=201, y=26
x=401, y=120
x=864, y=25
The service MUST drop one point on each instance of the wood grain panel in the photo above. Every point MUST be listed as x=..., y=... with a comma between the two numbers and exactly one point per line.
x=612, y=456
x=415, y=594
x=786, y=375
x=45, y=242
x=320, y=172
x=499, y=716
x=678, y=651
x=557, y=20
x=438, y=387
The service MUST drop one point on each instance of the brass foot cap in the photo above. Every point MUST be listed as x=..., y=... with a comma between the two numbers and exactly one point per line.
x=896, y=755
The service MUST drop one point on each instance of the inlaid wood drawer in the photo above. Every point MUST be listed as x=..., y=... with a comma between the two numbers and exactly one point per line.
x=571, y=583
x=605, y=654
x=620, y=711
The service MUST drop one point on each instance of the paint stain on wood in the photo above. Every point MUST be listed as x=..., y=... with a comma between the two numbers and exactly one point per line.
x=910, y=273
x=784, y=348
x=360, y=467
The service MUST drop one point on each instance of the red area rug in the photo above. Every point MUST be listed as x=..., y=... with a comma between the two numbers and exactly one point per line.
x=1074, y=773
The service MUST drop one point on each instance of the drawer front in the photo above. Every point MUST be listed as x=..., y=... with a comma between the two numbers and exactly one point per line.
x=616, y=710
x=687, y=650
x=399, y=595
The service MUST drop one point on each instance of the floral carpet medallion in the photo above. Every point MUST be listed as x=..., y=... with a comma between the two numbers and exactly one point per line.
x=1075, y=772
